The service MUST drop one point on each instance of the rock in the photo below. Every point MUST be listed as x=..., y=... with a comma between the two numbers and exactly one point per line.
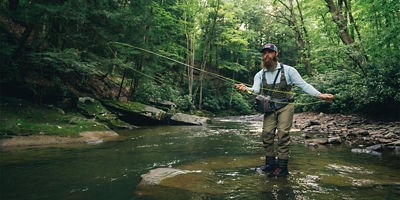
x=85, y=100
x=312, y=123
x=395, y=143
x=375, y=153
x=180, y=118
x=155, y=176
x=390, y=136
x=94, y=141
x=97, y=135
x=315, y=128
x=89, y=137
x=136, y=113
x=320, y=141
x=306, y=135
x=335, y=140
x=294, y=130
x=165, y=105
x=94, y=109
x=381, y=140
x=376, y=147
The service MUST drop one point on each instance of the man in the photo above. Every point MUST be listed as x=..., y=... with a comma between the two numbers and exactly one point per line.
x=281, y=119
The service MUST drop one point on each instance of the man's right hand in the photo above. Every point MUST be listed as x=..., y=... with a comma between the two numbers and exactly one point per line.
x=326, y=97
x=241, y=87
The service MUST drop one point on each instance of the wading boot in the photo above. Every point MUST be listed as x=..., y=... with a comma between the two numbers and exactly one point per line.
x=281, y=170
x=270, y=165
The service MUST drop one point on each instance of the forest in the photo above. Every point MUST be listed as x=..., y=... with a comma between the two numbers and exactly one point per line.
x=55, y=51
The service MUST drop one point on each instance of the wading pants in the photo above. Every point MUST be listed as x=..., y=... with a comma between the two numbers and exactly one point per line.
x=282, y=123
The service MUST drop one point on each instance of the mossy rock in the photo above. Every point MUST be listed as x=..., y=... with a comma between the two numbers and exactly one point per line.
x=136, y=112
x=112, y=121
x=135, y=107
x=93, y=108
x=23, y=118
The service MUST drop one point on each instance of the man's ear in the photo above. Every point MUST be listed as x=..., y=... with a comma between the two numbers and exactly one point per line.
x=276, y=53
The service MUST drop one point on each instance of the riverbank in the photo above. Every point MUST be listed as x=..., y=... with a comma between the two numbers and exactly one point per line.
x=23, y=123
x=87, y=137
x=320, y=128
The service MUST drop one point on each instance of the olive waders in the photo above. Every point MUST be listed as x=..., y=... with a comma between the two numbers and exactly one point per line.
x=277, y=123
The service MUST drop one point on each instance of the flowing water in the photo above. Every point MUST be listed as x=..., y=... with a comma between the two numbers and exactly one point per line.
x=220, y=156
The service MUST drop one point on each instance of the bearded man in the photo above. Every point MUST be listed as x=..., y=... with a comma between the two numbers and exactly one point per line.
x=277, y=79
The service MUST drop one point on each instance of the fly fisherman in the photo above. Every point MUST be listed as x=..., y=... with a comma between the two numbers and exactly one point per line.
x=277, y=79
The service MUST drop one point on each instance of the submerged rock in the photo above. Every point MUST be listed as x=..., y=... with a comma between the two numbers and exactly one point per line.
x=180, y=118
x=158, y=183
x=376, y=147
x=367, y=151
x=155, y=176
x=89, y=137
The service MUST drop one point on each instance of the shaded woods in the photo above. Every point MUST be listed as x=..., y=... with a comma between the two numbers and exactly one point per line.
x=52, y=52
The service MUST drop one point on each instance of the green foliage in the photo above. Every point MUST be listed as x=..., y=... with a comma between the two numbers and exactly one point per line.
x=58, y=40
x=66, y=61
x=376, y=94
x=227, y=99
x=150, y=91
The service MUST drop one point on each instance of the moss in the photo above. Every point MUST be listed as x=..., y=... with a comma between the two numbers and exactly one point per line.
x=96, y=110
x=112, y=121
x=91, y=109
x=19, y=117
x=128, y=106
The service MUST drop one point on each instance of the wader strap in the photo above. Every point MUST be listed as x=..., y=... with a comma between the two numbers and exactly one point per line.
x=265, y=79
x=271, y=92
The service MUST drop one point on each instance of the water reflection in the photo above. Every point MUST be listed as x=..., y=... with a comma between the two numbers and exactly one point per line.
x=278, y=189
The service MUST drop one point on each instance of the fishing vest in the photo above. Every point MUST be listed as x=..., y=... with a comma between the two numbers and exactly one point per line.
x=283, y=88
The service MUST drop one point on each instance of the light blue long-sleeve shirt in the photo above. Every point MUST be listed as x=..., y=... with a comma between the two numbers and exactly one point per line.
x=292, y=78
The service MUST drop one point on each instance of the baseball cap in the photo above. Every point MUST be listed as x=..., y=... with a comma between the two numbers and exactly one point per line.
x=269, y=46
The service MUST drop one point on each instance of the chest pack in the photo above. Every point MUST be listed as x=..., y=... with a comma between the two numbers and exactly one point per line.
x=269, y=101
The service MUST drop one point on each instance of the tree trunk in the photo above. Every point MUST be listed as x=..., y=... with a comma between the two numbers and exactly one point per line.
x=121, y=85
x=340, y=21
x=13, y=4
x=307, y=55
x=348, y=8
x=299, y=37
x=189, y=43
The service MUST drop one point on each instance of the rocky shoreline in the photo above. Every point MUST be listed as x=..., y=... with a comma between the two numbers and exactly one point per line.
x=370, y=135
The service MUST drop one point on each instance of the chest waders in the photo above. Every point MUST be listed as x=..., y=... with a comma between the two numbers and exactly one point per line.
x=280, y=121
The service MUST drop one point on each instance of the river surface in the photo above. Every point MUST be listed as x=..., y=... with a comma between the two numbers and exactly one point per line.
x=221, y=156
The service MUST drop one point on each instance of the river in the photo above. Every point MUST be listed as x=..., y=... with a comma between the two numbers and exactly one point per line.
x=221, y=155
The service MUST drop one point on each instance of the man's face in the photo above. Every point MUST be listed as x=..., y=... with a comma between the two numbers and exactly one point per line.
x=269, y=56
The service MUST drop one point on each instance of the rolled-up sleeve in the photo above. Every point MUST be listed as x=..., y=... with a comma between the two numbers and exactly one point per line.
x=296, y=80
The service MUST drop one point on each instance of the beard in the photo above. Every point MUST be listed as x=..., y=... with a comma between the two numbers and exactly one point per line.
x=268, y=62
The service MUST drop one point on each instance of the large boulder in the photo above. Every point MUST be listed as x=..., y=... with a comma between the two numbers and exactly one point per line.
x=92, y=108
x=137, y=113
x=185, y=119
